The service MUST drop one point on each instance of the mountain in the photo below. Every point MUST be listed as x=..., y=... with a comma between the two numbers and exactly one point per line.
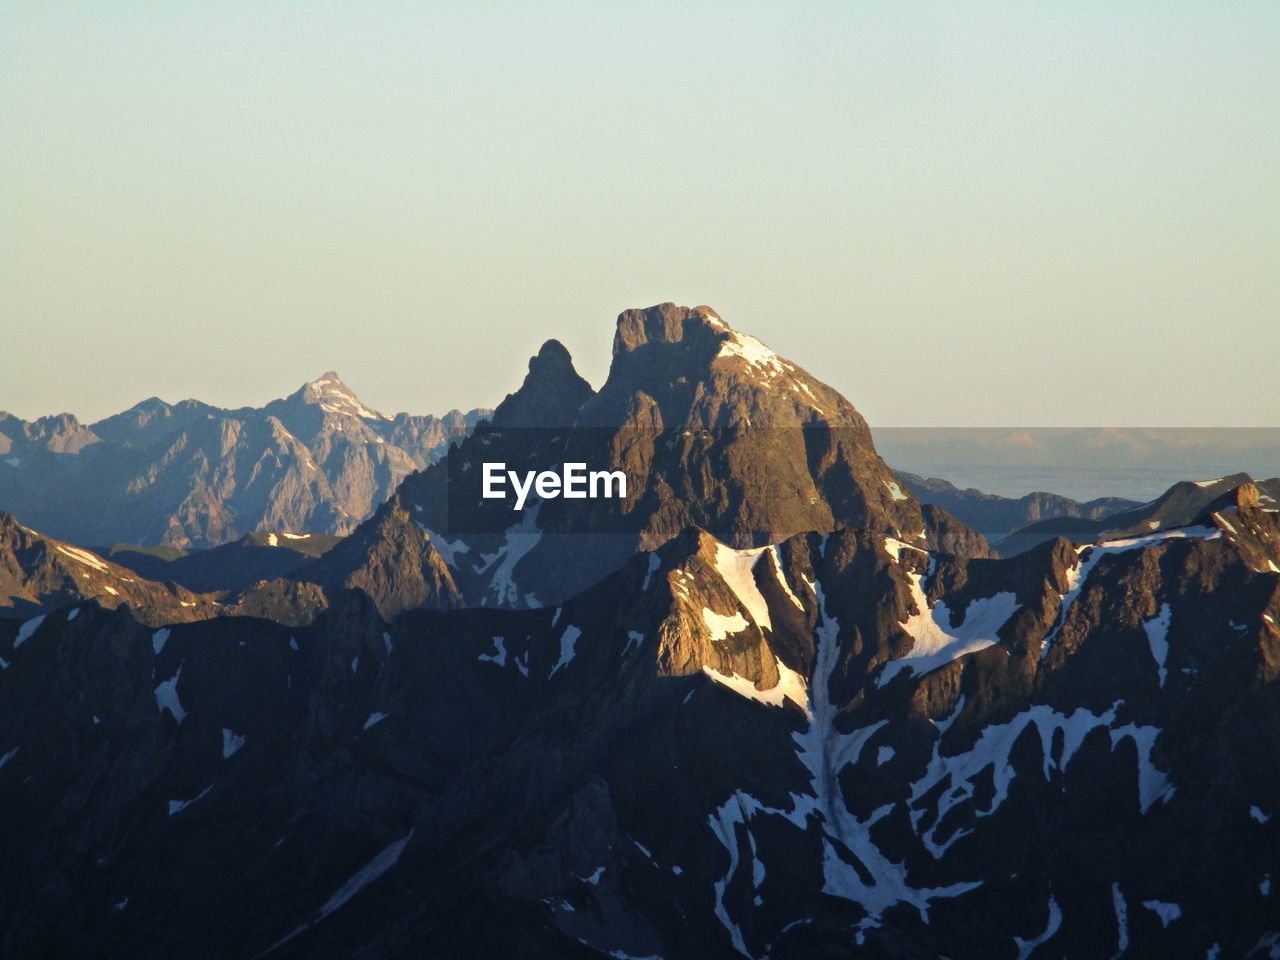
x=838, y=745
x=1182, y=504
x=39, y=574
x=712, y=429
x=192, y=475
x=994, y=516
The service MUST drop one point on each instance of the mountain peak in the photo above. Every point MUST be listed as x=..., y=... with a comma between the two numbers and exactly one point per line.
x=333, y=396
x=666, y=323
x=551, y=393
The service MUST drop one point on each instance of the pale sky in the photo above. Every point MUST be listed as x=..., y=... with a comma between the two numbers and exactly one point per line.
x=1056, y=214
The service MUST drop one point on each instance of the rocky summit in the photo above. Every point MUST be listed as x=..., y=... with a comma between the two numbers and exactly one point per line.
x=712, y=428
x=782, y=711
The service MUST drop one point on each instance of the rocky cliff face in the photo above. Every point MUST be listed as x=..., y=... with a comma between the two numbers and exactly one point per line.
x=839, y=745
x=193, y=475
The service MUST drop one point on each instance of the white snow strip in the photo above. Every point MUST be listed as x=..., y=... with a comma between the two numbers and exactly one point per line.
x=84, y=556
x=273, y=540
x=825, y=751
x=567, y=641
x=27, y=630
x=634, y=639
x=1258, y=815
x=75, y=612
x=231, y=742
x=296, y=536
x=654, y=563
x=177, y=806
x=1157, y=630
x=1027, y=947
x=374, y=718
x=735, y=567
x=1122, y=921
x=896, y=490
x=1207, y=483
x=367, y=874
x=8, y=756
x=159, y=639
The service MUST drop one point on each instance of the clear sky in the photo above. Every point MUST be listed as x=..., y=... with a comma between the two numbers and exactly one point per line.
x=956, y=213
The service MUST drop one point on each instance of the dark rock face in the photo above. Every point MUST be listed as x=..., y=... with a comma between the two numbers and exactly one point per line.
x=193, y=475
x=712, y=429
x=837, y=746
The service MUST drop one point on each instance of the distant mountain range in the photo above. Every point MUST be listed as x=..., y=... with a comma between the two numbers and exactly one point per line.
x=769, y=705
x=192, y=475
x=1014, y=525
x=1083, y=463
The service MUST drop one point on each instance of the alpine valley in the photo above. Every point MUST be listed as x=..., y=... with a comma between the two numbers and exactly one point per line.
x=778, y=701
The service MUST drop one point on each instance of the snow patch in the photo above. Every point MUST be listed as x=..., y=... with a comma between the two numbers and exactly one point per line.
x=166, y=695
x=499, y=656
x=231, y=742
x=1167, y=912
x=735, y=567
x=935, y=643
x=159, y=639
x=1122, y=920
x=520, y=539
x=1157, y=630
x=27, y=630
x=722, y=626
x=567, y=641
x=790, y=686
